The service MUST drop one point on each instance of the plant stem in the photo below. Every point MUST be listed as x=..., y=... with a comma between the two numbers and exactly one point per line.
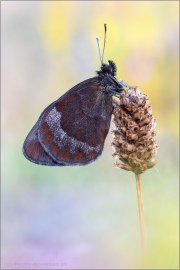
x=141, y=212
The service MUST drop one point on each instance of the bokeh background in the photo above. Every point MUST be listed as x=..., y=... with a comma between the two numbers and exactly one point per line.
x=87, y=217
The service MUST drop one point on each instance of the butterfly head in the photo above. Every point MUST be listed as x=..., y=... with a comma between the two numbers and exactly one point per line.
x=108, y=69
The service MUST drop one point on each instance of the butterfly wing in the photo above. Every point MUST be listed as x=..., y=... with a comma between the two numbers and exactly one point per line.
x=72, y=130
x=33, y=150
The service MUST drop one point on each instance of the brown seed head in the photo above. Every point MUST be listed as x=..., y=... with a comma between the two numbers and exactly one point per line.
x=134, y=141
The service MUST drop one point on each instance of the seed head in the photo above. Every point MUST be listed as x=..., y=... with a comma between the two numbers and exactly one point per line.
x=134, y=141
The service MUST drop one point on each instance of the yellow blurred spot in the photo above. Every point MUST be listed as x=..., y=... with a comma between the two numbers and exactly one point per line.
x=55, y=26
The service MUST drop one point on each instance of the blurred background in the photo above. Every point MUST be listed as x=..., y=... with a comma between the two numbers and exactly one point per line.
x=87, y=217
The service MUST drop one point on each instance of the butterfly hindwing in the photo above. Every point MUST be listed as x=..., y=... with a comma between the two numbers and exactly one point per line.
x=73, y=129
x=33, y=150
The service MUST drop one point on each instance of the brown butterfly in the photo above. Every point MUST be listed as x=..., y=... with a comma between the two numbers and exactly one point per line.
x=72, y=130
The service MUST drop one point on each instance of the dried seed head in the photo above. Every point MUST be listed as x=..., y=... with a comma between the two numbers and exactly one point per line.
x=134, y=140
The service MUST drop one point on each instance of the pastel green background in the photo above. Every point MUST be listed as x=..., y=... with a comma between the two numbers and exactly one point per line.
x=87, y=217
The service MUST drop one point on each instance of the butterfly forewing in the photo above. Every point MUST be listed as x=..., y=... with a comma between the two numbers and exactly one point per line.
x=73, y=130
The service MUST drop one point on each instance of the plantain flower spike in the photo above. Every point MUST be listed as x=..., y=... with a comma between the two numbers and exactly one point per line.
x=134, y=141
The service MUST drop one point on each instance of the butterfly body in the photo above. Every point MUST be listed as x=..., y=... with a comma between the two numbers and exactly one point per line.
x=72, y=130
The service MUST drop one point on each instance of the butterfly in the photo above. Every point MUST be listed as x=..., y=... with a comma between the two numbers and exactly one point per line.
x=72, y=130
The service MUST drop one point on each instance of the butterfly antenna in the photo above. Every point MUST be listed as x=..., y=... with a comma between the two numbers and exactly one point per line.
x=97, y=39
x=105, y=30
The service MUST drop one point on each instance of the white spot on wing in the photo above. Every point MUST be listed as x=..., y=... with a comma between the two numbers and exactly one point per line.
x=53, y=120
